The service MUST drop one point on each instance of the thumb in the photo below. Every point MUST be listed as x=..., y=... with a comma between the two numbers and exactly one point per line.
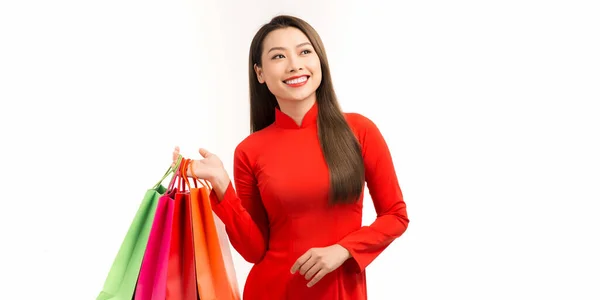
x=204, y=152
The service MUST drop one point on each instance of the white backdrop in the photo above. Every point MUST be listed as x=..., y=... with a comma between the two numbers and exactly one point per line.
x=488, y=109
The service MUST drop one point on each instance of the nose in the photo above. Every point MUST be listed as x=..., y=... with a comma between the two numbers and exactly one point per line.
x=294, y=64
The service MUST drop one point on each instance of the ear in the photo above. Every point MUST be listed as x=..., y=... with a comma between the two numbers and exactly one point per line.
x=259, y=73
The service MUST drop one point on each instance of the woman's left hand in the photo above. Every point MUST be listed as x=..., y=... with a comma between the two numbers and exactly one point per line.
x=318, y=262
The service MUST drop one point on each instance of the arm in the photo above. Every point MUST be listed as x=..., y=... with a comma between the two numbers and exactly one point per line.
x=368, y=242
x=243, y=213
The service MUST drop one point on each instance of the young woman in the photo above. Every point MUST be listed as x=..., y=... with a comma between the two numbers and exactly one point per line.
x=296, y=209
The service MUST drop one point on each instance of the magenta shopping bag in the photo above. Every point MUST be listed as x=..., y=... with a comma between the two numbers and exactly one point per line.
x=152, y=280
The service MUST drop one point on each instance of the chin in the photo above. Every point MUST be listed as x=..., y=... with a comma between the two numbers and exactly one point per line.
x=296, y=94
x=297, y=98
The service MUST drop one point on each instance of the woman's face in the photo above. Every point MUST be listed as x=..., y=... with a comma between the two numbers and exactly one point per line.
x=290, y=66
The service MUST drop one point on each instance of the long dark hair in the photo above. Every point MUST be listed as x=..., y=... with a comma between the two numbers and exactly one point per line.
x=339, y=144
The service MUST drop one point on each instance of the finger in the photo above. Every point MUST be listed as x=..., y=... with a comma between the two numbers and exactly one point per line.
x=300, y=261
x=308, y=265
x=191, y=168
x=175, y=155
x=312, y=271
x=204, y=152
x=317, y=277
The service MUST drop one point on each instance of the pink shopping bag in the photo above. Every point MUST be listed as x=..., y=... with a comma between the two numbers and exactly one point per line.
x=152, y=281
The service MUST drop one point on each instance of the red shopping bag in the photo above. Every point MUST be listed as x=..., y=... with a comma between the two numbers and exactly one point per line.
x=181, y=272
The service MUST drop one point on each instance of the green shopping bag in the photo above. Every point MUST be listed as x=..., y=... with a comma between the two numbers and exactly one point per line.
x=123, y=275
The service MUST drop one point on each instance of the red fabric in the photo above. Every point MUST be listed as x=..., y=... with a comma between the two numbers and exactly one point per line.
x=280, y=209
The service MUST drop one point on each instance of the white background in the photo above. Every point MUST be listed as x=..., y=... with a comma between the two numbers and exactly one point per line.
x=489, y=109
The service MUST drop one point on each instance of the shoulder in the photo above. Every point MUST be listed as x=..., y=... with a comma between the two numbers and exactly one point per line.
x=365, y=130
x=359, y=123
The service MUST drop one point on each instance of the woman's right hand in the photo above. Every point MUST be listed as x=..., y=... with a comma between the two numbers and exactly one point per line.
x=209, y=168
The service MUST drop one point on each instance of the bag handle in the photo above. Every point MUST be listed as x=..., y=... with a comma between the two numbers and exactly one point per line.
x=205, y=184
x=191, y=166
x=183, y=176
x=171, y=169
x=175, y=177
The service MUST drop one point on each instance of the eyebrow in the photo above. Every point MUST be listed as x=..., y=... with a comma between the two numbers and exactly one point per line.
x=282, y=48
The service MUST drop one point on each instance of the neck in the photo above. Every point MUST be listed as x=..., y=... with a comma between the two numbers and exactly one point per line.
x=296, y=109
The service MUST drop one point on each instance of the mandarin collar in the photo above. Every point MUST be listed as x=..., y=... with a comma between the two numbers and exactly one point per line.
x=284, y=121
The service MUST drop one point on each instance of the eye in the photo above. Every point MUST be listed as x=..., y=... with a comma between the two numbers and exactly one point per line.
x=277, y=56
x=306, y=51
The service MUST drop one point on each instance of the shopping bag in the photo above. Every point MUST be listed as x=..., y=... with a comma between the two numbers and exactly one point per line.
x=181, y=274
x=152, y=279
x=215, y=274
x=121, y=280
x=226, y=253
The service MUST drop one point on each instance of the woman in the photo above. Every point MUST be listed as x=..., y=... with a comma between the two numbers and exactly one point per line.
x=296, y=209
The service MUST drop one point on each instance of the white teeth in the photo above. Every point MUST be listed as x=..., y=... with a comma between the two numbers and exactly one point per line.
x=297, y=80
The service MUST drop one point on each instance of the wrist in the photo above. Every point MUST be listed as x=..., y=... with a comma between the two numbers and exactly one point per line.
x=219, y=183
x=347, y=254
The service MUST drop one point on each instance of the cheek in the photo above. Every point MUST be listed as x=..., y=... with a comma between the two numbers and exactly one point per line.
x=271, y=75
x=273, y=84
x=317, y=75
x=315, y=68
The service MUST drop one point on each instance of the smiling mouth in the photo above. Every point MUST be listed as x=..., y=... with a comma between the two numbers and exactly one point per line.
x=297, y=81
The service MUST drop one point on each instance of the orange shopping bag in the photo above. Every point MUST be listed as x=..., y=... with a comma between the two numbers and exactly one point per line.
x=215, y=273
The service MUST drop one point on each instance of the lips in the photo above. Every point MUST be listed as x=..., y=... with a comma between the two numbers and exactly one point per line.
x=296, y=81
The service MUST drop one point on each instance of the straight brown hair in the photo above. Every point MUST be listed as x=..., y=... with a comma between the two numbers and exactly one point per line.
x=340, y=147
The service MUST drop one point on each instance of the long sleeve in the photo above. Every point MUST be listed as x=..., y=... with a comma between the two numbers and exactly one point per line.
x=243, y=213
x=368, y=242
